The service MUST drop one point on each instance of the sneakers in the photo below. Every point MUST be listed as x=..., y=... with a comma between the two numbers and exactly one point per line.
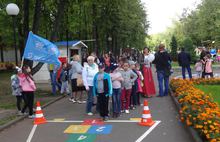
x=20, y=113
x=72, y=100
x=31, y=116
x=105, y=118
x=83, y=102
x=90, y=113
x=79, y=102
x=127, y=111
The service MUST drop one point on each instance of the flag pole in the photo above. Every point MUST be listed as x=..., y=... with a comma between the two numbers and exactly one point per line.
x=22, y=62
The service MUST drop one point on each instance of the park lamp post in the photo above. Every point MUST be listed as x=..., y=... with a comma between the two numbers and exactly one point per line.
x=13, y=10
x=109, y=43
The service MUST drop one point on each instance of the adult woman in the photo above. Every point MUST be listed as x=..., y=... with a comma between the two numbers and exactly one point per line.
x=88, y=74
x=28, y=87
x=149, y=87
x=75, y=72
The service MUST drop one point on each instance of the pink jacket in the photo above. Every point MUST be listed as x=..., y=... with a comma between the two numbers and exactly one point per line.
x=208, y=66
x=26, y=83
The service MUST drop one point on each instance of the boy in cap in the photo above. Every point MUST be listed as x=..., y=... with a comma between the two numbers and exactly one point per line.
x=102, y=88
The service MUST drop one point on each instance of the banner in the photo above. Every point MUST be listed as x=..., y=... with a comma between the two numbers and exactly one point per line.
x=41, y=50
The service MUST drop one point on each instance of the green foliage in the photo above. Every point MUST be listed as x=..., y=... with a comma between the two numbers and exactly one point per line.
x=188, y=46
x=173, y=45
x=201, y=25
x=125, y=21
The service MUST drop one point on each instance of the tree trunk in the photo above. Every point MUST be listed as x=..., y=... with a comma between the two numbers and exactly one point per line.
x=37, y=13
x=94, y=29
x=35, y=27
x=59, y=16
x=26, y=19
x=1, y=52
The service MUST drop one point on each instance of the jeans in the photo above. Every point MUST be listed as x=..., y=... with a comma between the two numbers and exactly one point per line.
x=103, y=103
x=89, y=100
x=184, y=70
x=19, y=100
x=116, y=100
x=28, y=102
x=65, y=87
x=163, y=81
x=133, y=100
x=54, y=83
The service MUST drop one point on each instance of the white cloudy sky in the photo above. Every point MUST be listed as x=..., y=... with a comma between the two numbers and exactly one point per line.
x=161, y=12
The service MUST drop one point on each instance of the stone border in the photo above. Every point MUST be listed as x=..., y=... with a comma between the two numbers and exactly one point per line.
x=190, y=129
x=12, y=122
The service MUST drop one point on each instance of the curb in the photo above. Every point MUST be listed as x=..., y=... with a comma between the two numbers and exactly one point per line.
x=10, y=123
x=190, y=129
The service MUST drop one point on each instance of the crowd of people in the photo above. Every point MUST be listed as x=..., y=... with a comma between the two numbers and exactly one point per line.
x=203, y=65
x=123, y=81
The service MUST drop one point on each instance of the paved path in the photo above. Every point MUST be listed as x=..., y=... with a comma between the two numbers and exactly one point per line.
x=162, y=109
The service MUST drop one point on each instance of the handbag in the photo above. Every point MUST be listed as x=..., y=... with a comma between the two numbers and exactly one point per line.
x=79, y=80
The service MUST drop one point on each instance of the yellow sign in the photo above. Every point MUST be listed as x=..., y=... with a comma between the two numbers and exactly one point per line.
x=135, y=119
x=58, y=119
x=77, y=129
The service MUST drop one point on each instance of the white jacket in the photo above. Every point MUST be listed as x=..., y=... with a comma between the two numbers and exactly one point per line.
x=88, y=74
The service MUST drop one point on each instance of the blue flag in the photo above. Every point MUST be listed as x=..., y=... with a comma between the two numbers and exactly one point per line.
x=41, y=50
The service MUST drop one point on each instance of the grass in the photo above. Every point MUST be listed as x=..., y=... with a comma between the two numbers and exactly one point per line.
x=211, y=89
x=8, y=102
x=176, y=65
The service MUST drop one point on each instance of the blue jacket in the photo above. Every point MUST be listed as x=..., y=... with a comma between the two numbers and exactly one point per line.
x=95, y=83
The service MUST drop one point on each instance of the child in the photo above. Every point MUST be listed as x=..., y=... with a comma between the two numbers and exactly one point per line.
x=139, y=82
x=207, y=66
x=133, y=101
x=64, y=76
x=28, y=87
x=16, y=89
x=198, y=68
x=129, y=77
x=116, y=96
x=102, y=88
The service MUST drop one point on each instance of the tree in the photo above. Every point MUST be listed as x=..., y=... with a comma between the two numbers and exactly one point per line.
x=188, y=46
x=173, y=45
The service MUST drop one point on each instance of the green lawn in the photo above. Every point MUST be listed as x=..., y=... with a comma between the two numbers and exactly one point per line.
x=214, y=90
x=7, y=101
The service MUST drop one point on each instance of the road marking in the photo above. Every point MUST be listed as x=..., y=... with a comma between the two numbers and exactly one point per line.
x=147, y=132
x=31, y=133
x=79, y=121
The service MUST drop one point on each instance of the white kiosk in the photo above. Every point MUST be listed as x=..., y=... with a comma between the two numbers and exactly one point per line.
x=74, y=47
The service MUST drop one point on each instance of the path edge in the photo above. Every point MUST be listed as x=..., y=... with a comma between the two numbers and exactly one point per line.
x=14, y=121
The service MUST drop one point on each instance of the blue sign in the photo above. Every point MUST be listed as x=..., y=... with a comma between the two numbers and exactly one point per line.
x=97, y=129
x=213, y=51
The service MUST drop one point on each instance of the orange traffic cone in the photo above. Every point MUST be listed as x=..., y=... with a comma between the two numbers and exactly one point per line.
x=146, y=116
x=39, y=117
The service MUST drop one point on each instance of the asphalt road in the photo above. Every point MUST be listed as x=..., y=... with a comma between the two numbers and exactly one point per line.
x=163, y=109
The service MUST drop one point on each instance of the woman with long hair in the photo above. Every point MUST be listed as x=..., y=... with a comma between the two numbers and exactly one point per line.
x=28, y=87
x=149, y=87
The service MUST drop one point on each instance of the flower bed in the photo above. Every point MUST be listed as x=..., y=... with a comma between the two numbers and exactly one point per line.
x=198, y=109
